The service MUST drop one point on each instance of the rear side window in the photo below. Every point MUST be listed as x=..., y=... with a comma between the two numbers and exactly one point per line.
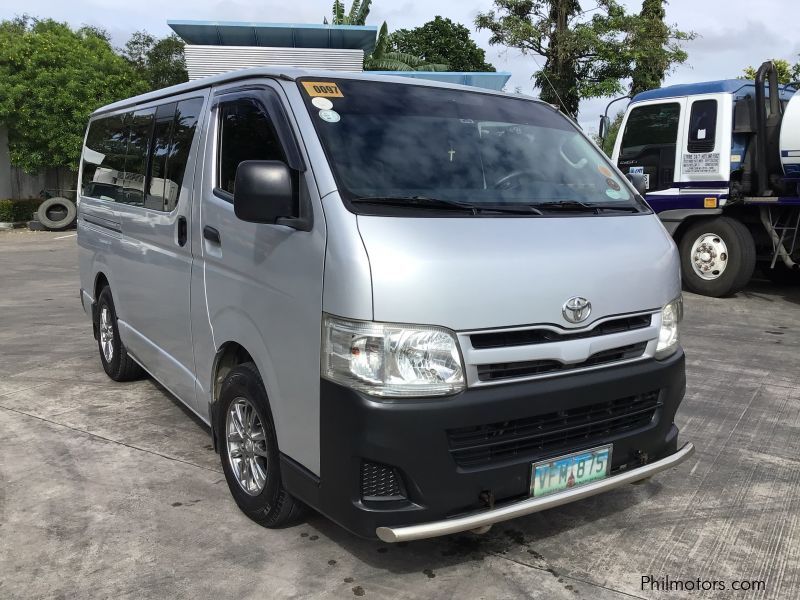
x=183, y=130
x=133, y=184
x=702, y=126
x=104, y=158
x=246, y=133
x=652, y=125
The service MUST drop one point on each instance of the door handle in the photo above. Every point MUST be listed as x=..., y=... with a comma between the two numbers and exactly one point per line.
x=211, y=234
x=182, y=231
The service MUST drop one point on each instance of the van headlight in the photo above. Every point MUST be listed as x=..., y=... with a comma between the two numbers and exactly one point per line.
x=389, y=360
x=671, y=316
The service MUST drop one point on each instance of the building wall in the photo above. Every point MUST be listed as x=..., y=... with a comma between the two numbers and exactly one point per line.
x=203, y=61
x=17, y=184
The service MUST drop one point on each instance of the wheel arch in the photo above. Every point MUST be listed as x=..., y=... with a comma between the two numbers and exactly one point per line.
x=229, y=355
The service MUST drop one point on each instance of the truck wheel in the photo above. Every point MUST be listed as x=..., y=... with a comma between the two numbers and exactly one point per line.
x=718, y=257
x=117, y=363
x=57, y=213
x=249, y=450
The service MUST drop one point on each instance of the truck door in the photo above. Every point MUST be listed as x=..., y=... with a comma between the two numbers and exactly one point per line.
x=651, y=136
x=705, y=153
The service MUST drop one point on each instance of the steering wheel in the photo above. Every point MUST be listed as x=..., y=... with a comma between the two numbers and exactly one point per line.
x=506, y=181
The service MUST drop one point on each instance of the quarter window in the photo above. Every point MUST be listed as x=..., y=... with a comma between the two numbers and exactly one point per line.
x=246, y=133
x=133, y=182
x=104, y=158
x=702, y=126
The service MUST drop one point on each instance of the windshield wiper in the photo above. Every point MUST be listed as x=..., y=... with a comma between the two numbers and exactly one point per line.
x=442, y=204
x=577, y=206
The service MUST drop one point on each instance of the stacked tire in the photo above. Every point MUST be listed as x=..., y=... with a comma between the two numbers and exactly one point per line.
x=54, y=214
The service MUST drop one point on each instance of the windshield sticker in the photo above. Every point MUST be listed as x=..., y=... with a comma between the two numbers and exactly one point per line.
x=612, y=184
x=604, y=170
x=331, y=116
x=322, y=103
x=325, y=89
x=613, y=194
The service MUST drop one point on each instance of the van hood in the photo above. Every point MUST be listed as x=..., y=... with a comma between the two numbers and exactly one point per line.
x=474, y=273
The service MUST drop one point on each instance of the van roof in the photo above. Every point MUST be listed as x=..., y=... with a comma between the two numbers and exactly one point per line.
x=722, y=86
x=286, y=73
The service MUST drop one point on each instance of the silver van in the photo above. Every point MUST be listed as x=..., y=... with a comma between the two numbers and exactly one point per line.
x=417, y=308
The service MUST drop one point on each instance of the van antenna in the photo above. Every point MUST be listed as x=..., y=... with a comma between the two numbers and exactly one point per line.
x=552, y=87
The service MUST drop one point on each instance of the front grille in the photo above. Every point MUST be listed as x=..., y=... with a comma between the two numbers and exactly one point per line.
x=552, y=432
x=526, y=337
x=380, y=482
x=527, y=368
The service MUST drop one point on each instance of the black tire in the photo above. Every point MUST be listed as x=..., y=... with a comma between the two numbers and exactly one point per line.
x=781, y=274
x=120, y=367
x=273, y=507
x=741, y=260
x=57, y=213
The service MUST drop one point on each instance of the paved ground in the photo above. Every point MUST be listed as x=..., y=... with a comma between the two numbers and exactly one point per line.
x=113, y=489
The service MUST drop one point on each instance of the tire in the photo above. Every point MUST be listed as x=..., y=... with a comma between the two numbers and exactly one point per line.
x=116, y=361
x=725, y=248
x=781, y=274
x=265, y=501
x=65, y=210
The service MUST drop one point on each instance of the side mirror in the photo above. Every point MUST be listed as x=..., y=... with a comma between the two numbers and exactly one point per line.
x=605, y=123
x=265, y=192
x=638, y=182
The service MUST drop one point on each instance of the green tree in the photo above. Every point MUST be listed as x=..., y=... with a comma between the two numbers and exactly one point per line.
x=787, y=72
x=357, y=15
x=442, y=41
x=587, y=53
x=655, y=47
x=51, y=79
x=160, y=62
x=383, y=58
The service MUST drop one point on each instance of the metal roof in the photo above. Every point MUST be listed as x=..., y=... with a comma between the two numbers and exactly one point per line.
x=723, y=86
x=485, y=79
x=276, y=35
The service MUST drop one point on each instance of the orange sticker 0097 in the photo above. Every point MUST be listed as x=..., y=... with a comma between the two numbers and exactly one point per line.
x=325, y=89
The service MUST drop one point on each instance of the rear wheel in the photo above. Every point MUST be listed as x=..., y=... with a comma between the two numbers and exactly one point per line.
x=117, y=363
x=718, y=257
x=249, y=450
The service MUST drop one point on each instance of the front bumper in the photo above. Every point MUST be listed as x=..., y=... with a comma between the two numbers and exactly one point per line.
x=442, y=494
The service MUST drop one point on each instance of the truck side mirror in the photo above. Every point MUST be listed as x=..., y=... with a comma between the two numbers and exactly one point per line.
x=638, y=182
x=605, y=124
x=265, y=192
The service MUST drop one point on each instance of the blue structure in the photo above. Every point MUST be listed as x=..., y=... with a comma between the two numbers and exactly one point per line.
x=737, y=87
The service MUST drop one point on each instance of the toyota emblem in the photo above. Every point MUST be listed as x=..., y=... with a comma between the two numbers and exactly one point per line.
x=576, y=309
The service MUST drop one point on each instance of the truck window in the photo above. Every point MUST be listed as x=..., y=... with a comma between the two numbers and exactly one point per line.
x=104, y=158
x=246, y=133
x=159, y=149
x=133, y=182
x=702, y=126
x=649, y=143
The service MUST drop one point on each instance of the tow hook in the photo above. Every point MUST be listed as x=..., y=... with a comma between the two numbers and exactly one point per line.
x=487, y=497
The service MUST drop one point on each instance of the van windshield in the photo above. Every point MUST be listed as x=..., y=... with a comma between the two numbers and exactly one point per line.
x=449, y=149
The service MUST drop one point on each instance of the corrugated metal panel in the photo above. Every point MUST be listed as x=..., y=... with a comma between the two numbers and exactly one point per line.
x=202, y=61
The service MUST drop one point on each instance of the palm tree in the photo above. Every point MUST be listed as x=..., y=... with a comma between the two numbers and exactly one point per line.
x=356, y=16
x=384, y=59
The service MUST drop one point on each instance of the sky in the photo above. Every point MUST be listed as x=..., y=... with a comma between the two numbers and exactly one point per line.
x=731, y=33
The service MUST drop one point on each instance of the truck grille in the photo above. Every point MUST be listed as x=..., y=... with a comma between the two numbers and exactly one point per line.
x=509, y=370
x=551, y=432
x=526, y=337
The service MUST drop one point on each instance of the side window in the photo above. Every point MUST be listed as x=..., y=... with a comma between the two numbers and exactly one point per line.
x=183, y=130
x=245, y=133
x=104, y=158
x=133, y=184
x=702, y=126
x=159, y=150
x=651, y=125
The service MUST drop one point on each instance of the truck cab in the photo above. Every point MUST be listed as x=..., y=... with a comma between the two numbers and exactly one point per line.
x=729, y=204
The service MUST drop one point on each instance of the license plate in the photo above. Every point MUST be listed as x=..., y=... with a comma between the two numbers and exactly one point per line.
x=570, y=470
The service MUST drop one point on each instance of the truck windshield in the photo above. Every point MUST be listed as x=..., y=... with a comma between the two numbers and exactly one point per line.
x=445, y=149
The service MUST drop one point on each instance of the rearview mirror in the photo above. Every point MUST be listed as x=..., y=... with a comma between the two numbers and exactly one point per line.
x=605, y=123
x=265, y=192
x=638, y=181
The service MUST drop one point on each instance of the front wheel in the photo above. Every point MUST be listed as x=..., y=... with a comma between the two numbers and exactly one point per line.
x=249, y=450
x=718, y=257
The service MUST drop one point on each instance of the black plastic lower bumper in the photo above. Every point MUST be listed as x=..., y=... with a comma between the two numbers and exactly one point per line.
x=411, y=436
